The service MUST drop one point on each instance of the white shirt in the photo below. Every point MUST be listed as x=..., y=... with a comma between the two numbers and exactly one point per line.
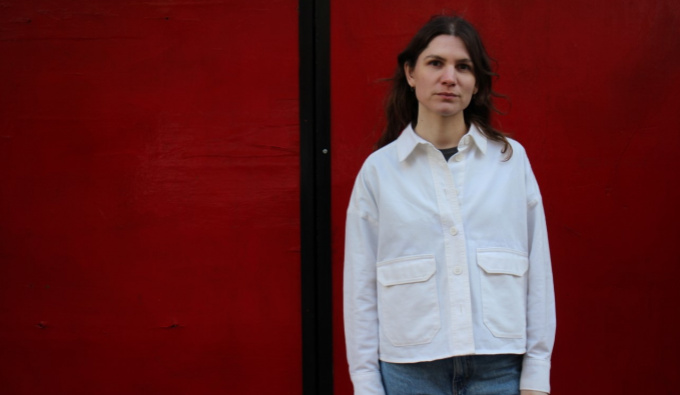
x=447, y=258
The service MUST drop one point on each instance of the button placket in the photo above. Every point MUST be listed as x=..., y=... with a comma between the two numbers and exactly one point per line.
x=458, y=282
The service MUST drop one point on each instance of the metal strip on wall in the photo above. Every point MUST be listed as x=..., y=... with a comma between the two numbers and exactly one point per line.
x=315, y=197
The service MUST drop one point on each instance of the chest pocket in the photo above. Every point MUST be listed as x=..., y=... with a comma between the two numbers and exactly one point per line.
x=504, y=290
x=408, y=306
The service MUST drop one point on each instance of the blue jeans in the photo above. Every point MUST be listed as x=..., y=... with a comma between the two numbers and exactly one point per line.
x=466, y=375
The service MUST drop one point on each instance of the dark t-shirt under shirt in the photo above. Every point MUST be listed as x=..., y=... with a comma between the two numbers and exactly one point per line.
x=449, y=152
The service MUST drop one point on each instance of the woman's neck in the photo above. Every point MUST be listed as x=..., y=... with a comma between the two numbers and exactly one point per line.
x=442, y=132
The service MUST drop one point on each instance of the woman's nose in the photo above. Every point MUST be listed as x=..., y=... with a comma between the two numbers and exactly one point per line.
x=449, y=76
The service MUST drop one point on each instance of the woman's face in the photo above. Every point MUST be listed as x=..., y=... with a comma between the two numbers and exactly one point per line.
x=443, y=78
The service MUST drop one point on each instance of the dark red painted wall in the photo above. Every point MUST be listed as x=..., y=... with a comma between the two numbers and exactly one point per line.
x=149, y=184
x=149, y=194
x=593, y=87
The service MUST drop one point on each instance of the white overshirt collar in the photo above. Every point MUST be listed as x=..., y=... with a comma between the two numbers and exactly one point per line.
x=409, y=139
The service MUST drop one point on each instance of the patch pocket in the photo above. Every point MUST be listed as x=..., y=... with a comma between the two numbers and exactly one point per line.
x=504, y=291
x=408, y=305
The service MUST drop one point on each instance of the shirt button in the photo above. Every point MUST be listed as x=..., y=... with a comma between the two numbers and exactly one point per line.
x=458, y=158
x=457, y=270
x=453, y=231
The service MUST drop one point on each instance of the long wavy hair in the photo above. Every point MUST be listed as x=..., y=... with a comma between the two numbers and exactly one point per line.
x=401, y=107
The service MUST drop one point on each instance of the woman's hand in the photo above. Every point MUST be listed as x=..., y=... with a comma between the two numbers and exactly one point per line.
x=530, y=392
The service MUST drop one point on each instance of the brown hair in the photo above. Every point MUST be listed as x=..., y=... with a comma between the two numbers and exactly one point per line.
x=401, y=107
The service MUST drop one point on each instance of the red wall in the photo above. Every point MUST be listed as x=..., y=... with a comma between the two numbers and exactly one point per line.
x=149, y=184
x=593, y=88
x=149, y=197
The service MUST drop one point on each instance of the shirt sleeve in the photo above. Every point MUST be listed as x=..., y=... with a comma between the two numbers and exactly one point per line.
x=541, y=321
x=360, y=293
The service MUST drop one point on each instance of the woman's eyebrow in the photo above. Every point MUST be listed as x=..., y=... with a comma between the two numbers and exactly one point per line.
x=438, y=57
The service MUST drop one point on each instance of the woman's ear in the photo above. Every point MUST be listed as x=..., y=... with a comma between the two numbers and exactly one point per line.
x=408, y=72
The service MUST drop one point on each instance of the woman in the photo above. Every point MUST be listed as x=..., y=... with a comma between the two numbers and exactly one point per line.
x=448, y=284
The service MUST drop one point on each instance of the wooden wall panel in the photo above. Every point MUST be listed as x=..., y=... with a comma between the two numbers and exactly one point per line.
x=149, y=197
x=592, y=98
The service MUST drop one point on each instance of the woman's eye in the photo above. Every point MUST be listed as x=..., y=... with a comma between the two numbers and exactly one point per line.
x=435, y=63
x=464, y=66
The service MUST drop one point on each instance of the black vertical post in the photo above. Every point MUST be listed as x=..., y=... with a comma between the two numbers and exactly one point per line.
x=317, y=328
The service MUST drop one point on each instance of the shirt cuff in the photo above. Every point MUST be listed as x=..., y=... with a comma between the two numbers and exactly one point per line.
x=368, y=383
x=535, y=375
